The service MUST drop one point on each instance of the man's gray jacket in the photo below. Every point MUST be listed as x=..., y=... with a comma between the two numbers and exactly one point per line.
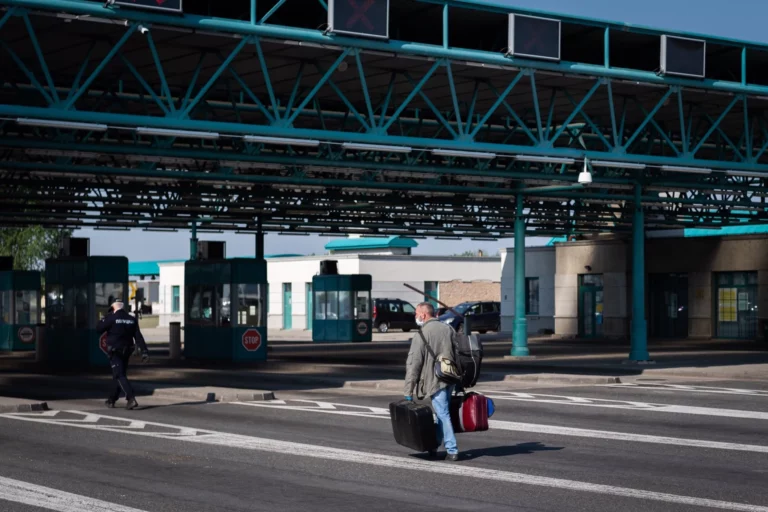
x=420, y=366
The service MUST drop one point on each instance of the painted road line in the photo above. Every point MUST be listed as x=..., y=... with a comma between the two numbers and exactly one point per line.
x=54, y=499
x=208, y=437
x=631, y=405
x=689, y=389
x=621, y=436
x=330, y=408
x=321, y=407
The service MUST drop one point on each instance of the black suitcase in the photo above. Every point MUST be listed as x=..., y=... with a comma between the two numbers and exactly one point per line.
x=413, y=425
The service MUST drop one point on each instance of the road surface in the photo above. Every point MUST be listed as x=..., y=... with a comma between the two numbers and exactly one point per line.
x=644, y=446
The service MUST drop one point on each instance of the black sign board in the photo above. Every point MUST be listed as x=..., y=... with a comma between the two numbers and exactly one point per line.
x=683, y=56
x=537, y=38
x=367, y=18
x=157, y=5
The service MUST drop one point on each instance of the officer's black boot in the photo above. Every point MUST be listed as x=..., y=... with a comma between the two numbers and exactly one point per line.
x=110, y=403
x=132, y=404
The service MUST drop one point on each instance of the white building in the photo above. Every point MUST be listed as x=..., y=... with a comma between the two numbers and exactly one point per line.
x=387, y=260
x=540, y=263
x=290, y=280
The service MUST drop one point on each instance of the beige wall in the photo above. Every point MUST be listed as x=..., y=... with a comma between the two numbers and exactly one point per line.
x=700, y=258
x=605, y=257
x=456, y=292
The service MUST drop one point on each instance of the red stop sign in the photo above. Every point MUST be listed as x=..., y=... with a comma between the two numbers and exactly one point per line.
x=251, y=340
x=103, y=344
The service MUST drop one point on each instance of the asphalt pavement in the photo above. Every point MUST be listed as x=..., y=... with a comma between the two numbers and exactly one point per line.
x=639, y=445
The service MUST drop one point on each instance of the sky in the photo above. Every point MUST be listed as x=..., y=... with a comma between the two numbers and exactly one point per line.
x=738, y=19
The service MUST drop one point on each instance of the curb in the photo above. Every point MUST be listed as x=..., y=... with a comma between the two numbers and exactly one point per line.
x=33, y=407
x=387, y=384
x=549, y=378
x=205, y=393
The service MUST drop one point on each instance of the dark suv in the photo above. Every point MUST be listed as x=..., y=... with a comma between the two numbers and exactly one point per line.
x=391, y=314
x=486, y=316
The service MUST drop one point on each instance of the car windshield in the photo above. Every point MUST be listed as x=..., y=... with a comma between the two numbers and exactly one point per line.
x=461, y=308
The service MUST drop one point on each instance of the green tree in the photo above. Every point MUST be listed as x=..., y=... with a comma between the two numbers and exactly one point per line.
x=466, y=254
x=31, y=246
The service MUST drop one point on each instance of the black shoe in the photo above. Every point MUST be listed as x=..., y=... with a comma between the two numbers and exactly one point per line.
x=110, y=404
x=132, y=404
x=452, y=457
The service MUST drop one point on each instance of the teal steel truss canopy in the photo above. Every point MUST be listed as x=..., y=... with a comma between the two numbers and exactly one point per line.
x=245, y=114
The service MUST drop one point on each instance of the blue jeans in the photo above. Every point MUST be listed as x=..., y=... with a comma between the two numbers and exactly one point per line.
x=441, y=402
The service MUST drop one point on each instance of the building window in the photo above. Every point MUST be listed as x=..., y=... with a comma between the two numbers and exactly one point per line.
x=736, y=294
x=531, y=295
x=175, y=299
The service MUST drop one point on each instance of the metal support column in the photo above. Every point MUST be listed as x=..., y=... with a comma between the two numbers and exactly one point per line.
x=639, y=335
x=193, y=242
x=520, y=335
x=259, y=241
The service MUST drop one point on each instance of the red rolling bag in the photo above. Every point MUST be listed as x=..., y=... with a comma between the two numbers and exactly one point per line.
x=469, y=413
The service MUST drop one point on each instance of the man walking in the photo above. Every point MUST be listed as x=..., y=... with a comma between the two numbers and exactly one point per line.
x=122, y=329
x=420, y=374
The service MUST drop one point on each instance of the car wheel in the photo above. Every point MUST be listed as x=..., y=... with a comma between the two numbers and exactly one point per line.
x=482, y=332
x=498, y=328
x=407, y=329
x=383, y=327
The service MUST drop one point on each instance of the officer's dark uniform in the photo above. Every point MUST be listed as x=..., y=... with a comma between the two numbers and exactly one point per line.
x=122, y=329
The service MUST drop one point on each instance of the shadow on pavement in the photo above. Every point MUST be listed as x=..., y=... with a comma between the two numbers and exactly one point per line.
x=508, y=451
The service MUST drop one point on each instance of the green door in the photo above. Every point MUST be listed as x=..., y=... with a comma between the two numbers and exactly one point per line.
x=591, y=306
x=310, y=311
x=287, y=306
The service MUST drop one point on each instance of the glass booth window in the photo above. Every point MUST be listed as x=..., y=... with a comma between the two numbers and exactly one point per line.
x=224, y=317
x=363, y=305
x=209, y=305
x=250, y=304
x=104, y=295
x=332, y=312
x=54, y=305
x=201, y=300
x=67, y=307
x=5, y=307
x=320, y=299
x=27, y=312
x=345, y=305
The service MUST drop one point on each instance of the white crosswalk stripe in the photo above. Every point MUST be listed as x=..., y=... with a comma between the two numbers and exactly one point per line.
x=387, y=461
x=53, y=499
x=689, y=388
x=627, y=404
x=378, y=412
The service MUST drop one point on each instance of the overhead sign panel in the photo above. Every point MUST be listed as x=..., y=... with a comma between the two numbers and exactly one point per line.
x=683, y=56
x=366, y=18
x=157, y=5
x=534, y=37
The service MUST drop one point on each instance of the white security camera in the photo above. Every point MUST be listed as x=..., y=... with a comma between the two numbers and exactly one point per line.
x=585, y=177
x=109, y=3
x=143, y=29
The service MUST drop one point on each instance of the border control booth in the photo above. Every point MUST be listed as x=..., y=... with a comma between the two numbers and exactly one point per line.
x=19, y=307
x=225, y=306
x=79, y=290
x=342, y=306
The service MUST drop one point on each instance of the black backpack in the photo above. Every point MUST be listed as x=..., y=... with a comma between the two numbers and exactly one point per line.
x=470, y=358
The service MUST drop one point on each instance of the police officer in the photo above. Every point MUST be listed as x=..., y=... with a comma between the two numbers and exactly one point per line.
x=122, y=329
